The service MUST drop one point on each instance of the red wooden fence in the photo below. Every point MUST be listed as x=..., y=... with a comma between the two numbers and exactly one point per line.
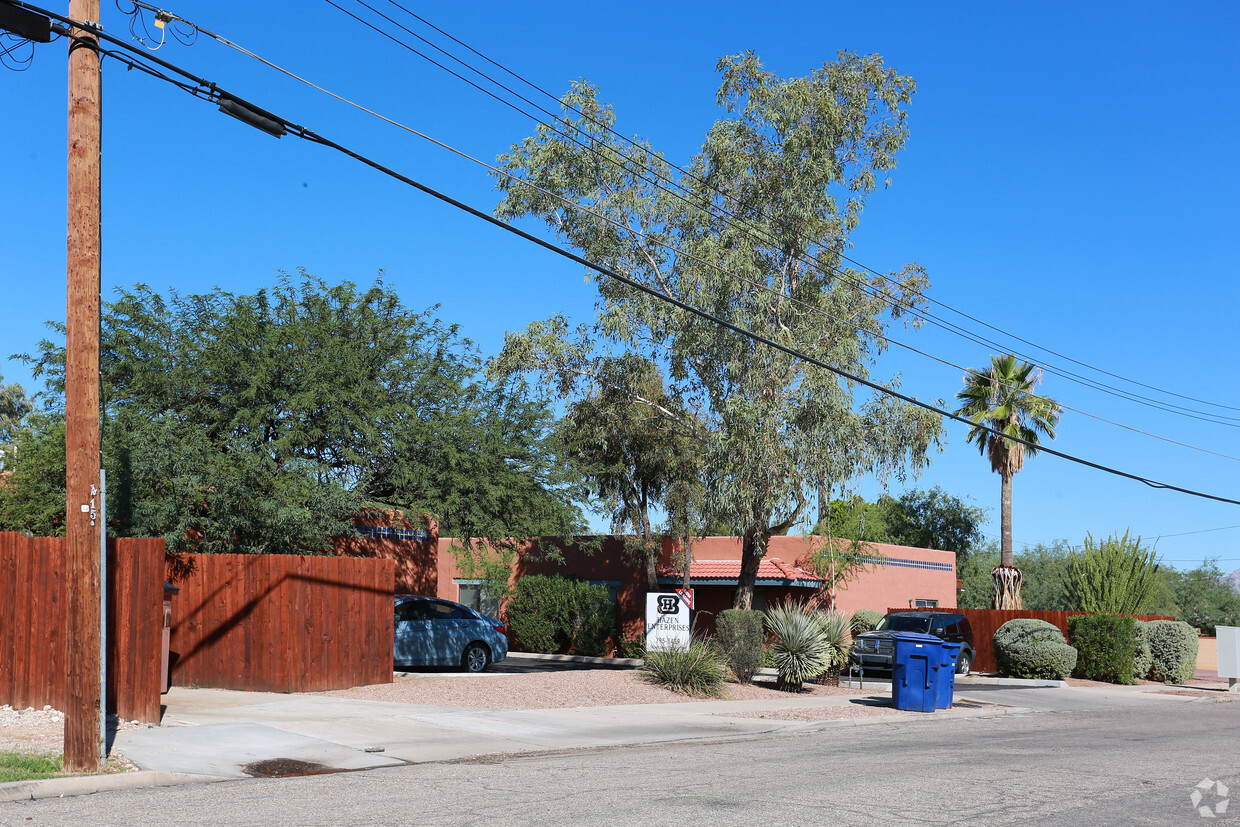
x=32, y=623
x=985, y=622
x=281, y=623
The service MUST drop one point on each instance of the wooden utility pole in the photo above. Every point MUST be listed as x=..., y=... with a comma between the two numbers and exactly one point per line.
x=83, y=712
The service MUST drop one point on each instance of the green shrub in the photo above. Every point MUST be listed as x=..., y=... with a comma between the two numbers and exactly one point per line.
x=699, y=670
x=1030, y=648
x=561, y=615
x=1116, y=575
x=1040, y=659
x=1173, y=650
x=1027, y=629
x=801, y=650
x=740, y=637
x=595, y=620
x=632, y=647
x=1106, y=647
x=1144, y=659
x=864, y=620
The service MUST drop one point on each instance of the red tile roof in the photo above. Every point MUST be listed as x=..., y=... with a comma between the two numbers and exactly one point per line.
x=770, y=568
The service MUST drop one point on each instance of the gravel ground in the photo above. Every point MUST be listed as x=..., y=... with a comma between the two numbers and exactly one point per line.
x=555, y=689
x=43, y=731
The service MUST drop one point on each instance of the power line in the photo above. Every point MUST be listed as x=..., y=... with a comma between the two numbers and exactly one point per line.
x=1199, y=531
x=209, y=91
x=1168, y=407
x=535, y=86
x=810, y=308
x=645, y=175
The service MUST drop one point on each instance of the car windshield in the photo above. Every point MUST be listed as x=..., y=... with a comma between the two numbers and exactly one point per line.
x=903, y=623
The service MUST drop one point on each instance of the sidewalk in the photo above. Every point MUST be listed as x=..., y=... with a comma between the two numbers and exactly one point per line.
x=214, y=734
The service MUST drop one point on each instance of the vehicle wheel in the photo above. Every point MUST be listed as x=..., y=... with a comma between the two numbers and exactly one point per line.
x=963, y=664
x=476, y=658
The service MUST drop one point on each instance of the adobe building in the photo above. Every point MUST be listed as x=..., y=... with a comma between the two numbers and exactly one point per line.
x=898, y=576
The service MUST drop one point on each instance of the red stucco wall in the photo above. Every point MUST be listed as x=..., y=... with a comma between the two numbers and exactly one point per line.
x=429, y=567
x=416, y=560
x=894, y=584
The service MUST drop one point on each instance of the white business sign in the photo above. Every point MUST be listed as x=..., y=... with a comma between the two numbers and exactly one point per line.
x=667, y=620
x=1227, y=638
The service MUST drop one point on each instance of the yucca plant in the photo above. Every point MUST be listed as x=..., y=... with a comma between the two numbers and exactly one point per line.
x=838, y=630
x=801, y=649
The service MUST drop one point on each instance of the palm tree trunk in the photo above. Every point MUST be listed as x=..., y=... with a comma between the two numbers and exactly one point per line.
x=1006, y=557
x=1007, y=578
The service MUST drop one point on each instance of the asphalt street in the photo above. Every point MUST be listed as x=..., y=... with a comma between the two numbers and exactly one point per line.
x=1134, y=761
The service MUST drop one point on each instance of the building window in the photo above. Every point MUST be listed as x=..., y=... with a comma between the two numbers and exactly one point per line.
x=611, y=585
x=925, y=604
x=759, y=600
x=476, y=595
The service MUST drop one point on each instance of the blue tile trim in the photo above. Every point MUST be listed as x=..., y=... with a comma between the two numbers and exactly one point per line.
x=907, y=564
x=731, y=581
x=381, y=533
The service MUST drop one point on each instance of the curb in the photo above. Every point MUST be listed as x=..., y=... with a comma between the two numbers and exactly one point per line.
x=986, y=681
x=577, y=659
x=89, y=784
x=924, y=718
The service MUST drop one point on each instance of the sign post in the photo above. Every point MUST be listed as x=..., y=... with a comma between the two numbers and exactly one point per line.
x=667, y=619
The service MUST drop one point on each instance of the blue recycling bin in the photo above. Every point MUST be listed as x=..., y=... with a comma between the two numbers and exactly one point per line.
x=947, y=675
x=915, y=669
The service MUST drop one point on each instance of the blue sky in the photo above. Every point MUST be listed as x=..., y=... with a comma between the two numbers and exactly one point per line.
x=1070, y=178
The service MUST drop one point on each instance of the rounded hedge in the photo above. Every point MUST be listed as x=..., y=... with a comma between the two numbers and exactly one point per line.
x=1106, y=646
x=1039, y=659
x=1144, y=658
x=864, y=620
x=1030, y=648
x=1173, y=650
x=1027, y=629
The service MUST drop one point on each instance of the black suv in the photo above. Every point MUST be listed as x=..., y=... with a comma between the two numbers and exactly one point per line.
x=874, y=650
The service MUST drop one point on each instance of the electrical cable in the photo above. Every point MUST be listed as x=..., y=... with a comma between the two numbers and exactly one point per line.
x=212, y=92
x=909, y=308
x=887, y=298
x=810, y=308
x=8, y=54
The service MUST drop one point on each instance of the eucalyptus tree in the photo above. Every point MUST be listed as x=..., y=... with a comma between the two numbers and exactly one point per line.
x=752, y=230
x=1003, y=407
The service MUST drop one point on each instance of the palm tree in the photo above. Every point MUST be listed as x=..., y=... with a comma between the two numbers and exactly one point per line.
x=1002, y=399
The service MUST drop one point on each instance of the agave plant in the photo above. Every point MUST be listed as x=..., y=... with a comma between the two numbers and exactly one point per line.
x=801, y=649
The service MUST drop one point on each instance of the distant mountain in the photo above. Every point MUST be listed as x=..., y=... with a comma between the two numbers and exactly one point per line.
x=1233, y=579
